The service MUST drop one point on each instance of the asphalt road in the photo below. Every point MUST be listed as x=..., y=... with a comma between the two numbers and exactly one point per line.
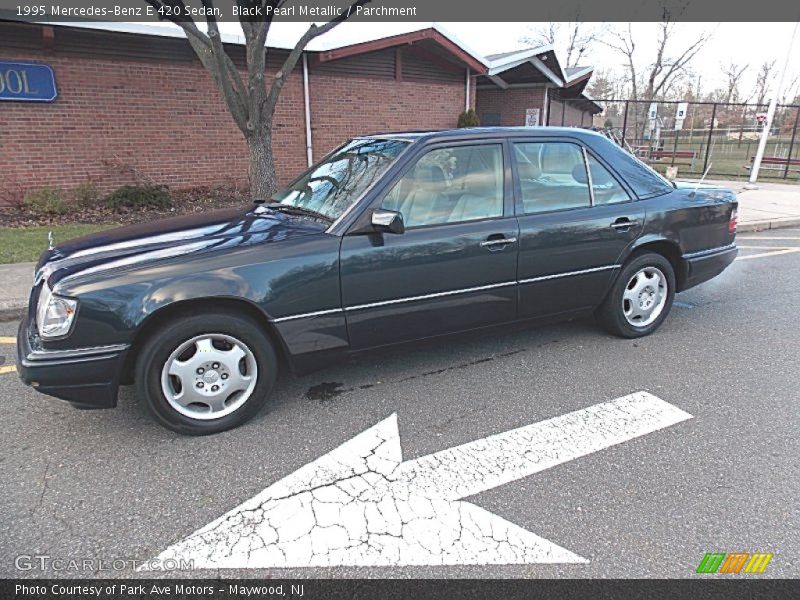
x=113, y=485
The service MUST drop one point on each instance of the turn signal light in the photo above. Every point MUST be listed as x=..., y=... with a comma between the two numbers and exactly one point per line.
x=733, y=221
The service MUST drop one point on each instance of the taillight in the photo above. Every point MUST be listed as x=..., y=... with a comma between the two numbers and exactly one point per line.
x=733, y=220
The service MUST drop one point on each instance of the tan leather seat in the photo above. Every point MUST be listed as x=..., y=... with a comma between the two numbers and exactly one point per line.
x=426, y=203
x=482, y=198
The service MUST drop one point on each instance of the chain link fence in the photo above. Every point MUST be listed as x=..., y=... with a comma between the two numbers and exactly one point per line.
x=693, y=137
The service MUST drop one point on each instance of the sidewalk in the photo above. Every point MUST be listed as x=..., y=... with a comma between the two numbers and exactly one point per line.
x=772, y=206
x=17, y=281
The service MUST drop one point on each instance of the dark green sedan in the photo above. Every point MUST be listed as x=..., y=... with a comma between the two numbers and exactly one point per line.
x=390, y=238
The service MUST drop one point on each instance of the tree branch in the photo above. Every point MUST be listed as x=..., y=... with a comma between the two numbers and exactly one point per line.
x=209, y=49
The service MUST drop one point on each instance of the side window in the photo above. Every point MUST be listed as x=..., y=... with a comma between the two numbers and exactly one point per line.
x=606, y=188
x=552, y=176
x=450, y=185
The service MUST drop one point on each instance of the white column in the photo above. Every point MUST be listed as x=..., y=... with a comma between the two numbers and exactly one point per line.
x=307, y=101
x=545, y=115
x=466, y=94
x=762, y=143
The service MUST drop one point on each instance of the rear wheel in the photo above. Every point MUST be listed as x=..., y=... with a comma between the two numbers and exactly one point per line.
x=641, y=297
x=206, y=373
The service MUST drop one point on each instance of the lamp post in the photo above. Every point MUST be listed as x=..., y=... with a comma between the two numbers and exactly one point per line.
x=762, y=143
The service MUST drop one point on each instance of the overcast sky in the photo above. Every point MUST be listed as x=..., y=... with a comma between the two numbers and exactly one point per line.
x=744, y=43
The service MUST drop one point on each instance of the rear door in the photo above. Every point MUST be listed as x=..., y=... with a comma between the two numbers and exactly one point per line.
x=454, y=268
x=576, y=220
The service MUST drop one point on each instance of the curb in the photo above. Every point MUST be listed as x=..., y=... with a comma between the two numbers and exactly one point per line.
x=12, y=311
x=768, y=224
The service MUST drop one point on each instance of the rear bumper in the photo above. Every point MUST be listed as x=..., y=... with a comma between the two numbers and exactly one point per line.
x=705, y=265
x=85, y=377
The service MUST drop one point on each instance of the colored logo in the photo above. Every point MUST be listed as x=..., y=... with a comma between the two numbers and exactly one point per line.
x=734, y=562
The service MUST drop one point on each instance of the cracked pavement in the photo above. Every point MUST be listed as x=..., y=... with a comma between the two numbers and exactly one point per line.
x=112, y=484
x=361, y=504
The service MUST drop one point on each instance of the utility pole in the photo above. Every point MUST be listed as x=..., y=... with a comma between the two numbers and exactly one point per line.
x=762, y=143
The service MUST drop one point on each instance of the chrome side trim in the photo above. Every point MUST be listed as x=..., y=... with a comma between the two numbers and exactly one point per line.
x=73, y=353
x=317, y=313
x=569, y=273
x=440, y=294
x=710, y=251
x=429, y=296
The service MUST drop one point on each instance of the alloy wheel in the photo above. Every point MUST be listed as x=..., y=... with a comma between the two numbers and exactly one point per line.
x=645, y=296
x=209, y=376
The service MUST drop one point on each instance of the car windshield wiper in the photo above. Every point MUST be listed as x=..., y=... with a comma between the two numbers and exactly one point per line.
x=290, y=209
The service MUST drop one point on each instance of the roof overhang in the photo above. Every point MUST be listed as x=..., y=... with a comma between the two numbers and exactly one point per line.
x=510, y=69
x=431, y=34
x=584, y=74
x=336, y=44
x=591, y=105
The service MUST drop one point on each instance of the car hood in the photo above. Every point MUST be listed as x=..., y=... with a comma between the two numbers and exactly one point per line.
x=202, y=232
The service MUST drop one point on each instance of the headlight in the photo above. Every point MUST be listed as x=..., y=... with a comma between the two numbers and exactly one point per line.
x=54, y=314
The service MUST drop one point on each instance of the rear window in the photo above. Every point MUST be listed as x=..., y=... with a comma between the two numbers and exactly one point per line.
x=644, y=181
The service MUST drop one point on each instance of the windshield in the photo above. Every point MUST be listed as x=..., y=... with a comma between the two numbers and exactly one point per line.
x=331, y=186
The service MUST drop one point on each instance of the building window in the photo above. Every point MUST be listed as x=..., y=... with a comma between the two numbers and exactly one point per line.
x=490, y=119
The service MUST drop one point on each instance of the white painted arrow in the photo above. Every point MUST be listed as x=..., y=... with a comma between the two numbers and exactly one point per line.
x=360, y=504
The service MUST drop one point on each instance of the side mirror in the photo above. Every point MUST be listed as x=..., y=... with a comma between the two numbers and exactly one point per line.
x=388, y=220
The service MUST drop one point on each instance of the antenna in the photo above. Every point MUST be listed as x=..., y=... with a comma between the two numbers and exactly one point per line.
x=699, y=183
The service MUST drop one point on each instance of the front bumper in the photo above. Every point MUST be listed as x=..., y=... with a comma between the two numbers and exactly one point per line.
x=85, y=377
x=705, y=265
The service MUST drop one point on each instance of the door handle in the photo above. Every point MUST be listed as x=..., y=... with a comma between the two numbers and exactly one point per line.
x=498, y=242
x=624, y=223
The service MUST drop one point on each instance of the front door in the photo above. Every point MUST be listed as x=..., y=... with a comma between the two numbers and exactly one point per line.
x=574, y=227
x=453, y=269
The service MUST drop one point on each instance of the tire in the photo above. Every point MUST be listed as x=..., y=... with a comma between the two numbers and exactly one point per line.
x=229, y=366
x=629, y=312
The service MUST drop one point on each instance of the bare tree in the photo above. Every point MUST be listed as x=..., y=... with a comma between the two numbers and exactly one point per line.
x=576, y=37
x=660, y=73
x=602, y=85
x=250, y=100
x=762, y=81
x=733, y=74
x=792, y=95
x=623, y=42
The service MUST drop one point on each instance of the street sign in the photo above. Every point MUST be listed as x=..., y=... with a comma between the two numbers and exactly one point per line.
x=27, y=82
x=362, y=504
x=680, y=115
x=531, y=117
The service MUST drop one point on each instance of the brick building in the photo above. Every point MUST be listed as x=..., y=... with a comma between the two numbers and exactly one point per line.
x=529, y=87
x=135, y=104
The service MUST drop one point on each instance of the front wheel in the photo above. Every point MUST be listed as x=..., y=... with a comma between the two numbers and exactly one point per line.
x=641, y=297
x=206, y=373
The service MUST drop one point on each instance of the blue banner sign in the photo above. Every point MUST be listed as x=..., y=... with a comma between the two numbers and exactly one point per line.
x=27, y=82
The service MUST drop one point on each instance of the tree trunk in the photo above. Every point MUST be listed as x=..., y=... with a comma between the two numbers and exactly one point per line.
x=262, y=166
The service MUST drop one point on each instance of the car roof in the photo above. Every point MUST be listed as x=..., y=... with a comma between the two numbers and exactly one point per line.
x=479, y=132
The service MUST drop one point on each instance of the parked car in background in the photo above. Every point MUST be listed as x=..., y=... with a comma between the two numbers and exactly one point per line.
x=390, y=238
